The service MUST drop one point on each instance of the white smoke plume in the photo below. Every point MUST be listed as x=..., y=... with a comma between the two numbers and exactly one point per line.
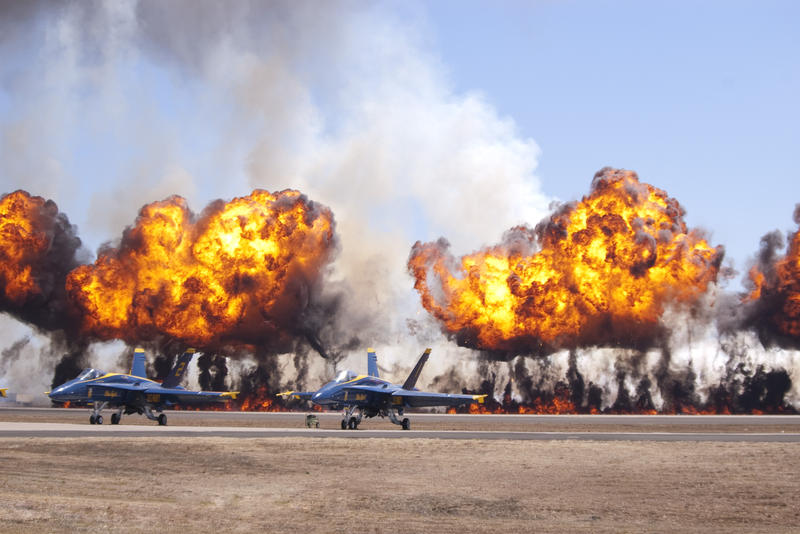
x=105, y=106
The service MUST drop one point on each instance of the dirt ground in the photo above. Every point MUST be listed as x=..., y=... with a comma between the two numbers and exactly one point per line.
x=338, y=485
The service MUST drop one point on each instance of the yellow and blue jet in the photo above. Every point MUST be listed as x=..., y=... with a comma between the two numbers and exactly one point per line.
x=134, y=392
x=369, y=395
x=3, y=392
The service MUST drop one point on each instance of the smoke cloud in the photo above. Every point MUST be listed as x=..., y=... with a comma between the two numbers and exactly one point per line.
x=115, y=105
x=110, y=106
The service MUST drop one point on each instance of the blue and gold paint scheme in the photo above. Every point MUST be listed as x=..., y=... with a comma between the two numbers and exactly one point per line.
x=3, y=392
x=369, y=395
x=134, y=392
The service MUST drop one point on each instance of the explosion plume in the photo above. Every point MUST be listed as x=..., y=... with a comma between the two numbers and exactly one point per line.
x=242, y=274
x=774, y=301
x=599, y=272
x=38, y=247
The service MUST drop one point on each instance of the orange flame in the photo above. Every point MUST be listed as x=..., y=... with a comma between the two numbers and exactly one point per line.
x=25, y=238
x=256, y=401
x=237, y=275
x=606, y=269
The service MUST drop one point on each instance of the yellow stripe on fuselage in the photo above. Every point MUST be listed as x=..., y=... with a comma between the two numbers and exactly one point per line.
x=107, y=375
x=359, y=377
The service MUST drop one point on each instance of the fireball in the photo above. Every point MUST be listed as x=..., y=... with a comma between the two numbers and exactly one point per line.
x=24, y=240
x=598, y=272
x=240, y=274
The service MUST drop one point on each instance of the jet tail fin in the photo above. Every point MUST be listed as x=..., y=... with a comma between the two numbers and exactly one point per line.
x=176, y=375
x=3, y=392
x=372, y=363
x=411, y=381
x=138, y=364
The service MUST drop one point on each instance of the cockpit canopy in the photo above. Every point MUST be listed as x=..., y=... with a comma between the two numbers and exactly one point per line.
x=345, y=376
x=89, y=374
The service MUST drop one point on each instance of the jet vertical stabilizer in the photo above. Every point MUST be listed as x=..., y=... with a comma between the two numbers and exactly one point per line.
x=372, y=363
x=176, y=375
x=138, y=364
x=411, y=381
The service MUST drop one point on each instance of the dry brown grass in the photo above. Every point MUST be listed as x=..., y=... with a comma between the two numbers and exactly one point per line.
x=339, y=485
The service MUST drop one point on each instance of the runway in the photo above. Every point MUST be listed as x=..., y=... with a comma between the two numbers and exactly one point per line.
x=11, y=429
x=788, y=423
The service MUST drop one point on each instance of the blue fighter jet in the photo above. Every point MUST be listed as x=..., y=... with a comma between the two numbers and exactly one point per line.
x=134, y=392
x=369, y=395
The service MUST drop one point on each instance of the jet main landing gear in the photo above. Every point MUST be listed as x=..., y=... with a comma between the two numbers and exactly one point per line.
x=405, y=423
x=161, y=417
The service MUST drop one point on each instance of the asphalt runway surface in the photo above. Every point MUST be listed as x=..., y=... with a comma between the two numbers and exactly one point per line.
x=59, y=422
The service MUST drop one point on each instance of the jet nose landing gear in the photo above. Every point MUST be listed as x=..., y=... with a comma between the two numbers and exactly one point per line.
x=352, y=418
x=95, y=418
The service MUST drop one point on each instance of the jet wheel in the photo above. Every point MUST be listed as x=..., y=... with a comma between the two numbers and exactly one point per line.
x=162, y=420
x=99, y=420
x=353, y=425
x=344, y=424
x=92, y=419
x=406, y=424
x=115, y=419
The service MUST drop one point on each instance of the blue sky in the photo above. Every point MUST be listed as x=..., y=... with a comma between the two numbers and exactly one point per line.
x=700, y=98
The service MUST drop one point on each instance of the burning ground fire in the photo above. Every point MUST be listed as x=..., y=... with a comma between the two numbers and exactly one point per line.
x=245, y=278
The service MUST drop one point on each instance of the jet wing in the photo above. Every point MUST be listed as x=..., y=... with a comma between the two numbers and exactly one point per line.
x=297, y=394
x=129, y=393
x=406, y=397
x=418, y=399
x=158, y=395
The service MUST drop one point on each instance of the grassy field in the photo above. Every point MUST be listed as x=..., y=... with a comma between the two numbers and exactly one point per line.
x=338, y=485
